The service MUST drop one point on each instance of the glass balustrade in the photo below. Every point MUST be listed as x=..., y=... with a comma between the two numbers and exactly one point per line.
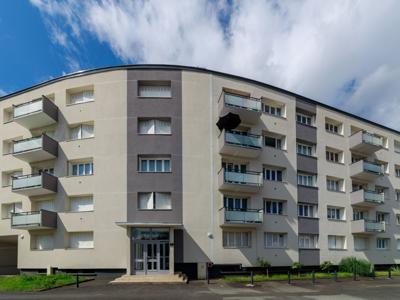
x=243, y=178
x=26, y=181
x=28, y=218
x=27, y=145
x=28, y=108
x=244, y=216
x=251, y=141
x=243, y=102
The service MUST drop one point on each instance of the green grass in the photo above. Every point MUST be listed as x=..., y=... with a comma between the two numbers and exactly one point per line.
x=24, y=283
x=304, y=276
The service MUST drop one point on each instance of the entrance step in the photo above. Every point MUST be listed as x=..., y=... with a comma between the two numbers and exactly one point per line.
x=157, y=278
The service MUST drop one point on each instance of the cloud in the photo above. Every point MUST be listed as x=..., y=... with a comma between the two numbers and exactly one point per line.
x=2, y=93
x=341, y=52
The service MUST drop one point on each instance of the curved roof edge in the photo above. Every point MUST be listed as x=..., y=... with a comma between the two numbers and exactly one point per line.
x=193, y=69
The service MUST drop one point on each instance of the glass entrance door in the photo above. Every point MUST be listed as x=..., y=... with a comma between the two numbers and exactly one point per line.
x=152, y=260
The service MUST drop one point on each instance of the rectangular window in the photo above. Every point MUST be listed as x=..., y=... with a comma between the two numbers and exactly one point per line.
x=272, y=109
x=10, y=208
x=154, y=164
x=81, y=204
x=81, y=97
x=235, y=203
x=273, y=207
x=82, y=169
x=155, y=201
x=273, y=142
x=272, y=174
x=306, y=179
x=275, y=240
x=333, y=185
x=360, y=243
x=335, y=213
x=398, y=219
x=82, y=131
x=397, y=171
x=398, y=244
x=397, y=146
x=332, y=128
x=304, y=149
x=303, y=119
x=43, y=242
x=397, y=195
x=154, y=126
x=307, y=210
x=236, y=239
x=336, y=242
x=308, y=241
x=382, y=243
x=332, y=156
x=358, y=215
x=382, y=217
x=155, y=89
x=81, y=240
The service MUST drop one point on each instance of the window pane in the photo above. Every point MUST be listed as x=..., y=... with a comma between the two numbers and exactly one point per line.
x=159, y=165
x=167, y=165
x=163, y=201
x=146, y=201
x=152, y=165
x=81, y=168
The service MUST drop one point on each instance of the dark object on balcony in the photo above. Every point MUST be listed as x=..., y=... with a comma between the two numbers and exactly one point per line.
x=229, y=121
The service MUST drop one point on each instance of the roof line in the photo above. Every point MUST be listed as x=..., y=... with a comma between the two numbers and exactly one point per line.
x=193, y=69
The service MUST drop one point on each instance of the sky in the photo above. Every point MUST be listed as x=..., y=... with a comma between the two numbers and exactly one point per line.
x=344, y=53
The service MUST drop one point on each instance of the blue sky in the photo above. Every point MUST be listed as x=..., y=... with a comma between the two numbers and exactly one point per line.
x=340, y=52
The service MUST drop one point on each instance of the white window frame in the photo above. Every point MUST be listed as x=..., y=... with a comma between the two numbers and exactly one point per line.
x=275, y=240
x=307, y=210
x=278, y=142
x=382, y=243
x=154, y=126
x=304, y=119
x=332, y=128
x=85, y=244
x=272, y=174
x=306, y=179
x=145, y=163
x=383, y=217
x=235, y=203
x=236, y=239
x=275, y=207
x=87, y=168
x=308, y=241
x=304, y=149
x=332, y=156
x=274, y=110
x=333, y=185
x=154, y=90
x=85, y=207
x=152, y=200
x=81, y=97
x=82, y=132
x=335, y=213
x=338, y=242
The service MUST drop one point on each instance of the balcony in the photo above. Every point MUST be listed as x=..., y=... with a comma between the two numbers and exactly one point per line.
x=367, y=227
x=34, y=220
x=247, y=217
x=33, y=185
x=236, y=144
x=367, y=198
x=248, y=182
x=365, y=170
x=35, y=114
x=35, y=149
x=365, y=142
x=249, y=109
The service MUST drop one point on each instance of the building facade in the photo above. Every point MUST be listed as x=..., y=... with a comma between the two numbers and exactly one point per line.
x=124, y=169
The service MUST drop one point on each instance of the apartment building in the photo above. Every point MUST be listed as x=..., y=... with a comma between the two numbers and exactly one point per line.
x=152, y=169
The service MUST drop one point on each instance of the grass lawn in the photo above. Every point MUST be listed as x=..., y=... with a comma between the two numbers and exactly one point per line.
x=304, y=276
x=24, y=283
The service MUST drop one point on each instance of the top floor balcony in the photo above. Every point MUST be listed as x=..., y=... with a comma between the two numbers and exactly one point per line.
x=248, y=108
x=35, y=114
x=364, y=142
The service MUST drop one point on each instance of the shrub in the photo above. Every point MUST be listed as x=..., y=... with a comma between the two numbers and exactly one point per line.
x=326, y=266
x=351, y=264
x=263, y=264
x=297, y=267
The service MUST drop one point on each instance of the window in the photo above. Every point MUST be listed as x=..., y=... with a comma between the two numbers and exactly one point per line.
x=304, y=149
x=7, y=177
x=82, y=169
x=360, y=243
x=398, y=244
x=307, y=210
x=334, y=185
x=45, y=205
x=397, y=171
x=273, y=142
x=382, y=217
x=308, y=241
x=398, y=219
x=272, y=109
x=82, y=131
x=332, y=128
x=303, y=119
x=275, y=240
x=235, y=203
x=273, y=207
x=9, y=208
x=335, y=213
x=382, y=243
x=155, y=89
x=272, y=174
x=336, y=242
x=236, y=239
x=397, y=192
x=332, y=156
x=154, y=126
x=43, y=242
x=81, y=97
x=155, y=200
x=154, y=164
x=81, y=204
x=45, y=170
x=359, y=215
x=305, y=179
x=81, y=240
x=397, y=146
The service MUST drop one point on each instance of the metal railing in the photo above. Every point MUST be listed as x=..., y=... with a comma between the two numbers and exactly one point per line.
x=26, y=218
x=28, y=108
x=28, y=144
x=248, y=103
x=372, y=139
x=244, y=140
x=244, y=216
x=248, y=178
x=26, y=181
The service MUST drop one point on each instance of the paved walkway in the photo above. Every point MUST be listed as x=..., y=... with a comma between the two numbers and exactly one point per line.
x=322, y=290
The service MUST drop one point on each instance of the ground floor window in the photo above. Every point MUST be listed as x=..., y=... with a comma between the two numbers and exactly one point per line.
x=236, y=239
x=275, y=240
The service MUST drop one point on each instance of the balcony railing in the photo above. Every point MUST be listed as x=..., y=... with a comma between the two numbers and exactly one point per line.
x=246, y=178
x=28, y=108
x=34, y=219
x=27, y=144
x=35, y=184
x=244, y=140
x=373, y=196
x=372, y=139
x=27, y=181
x=374, y=226
x=372, y=167
x=242, y=102
x=247, y=216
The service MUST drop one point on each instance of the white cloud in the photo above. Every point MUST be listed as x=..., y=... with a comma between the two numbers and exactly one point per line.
x=315, y=48
x=2, y=93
